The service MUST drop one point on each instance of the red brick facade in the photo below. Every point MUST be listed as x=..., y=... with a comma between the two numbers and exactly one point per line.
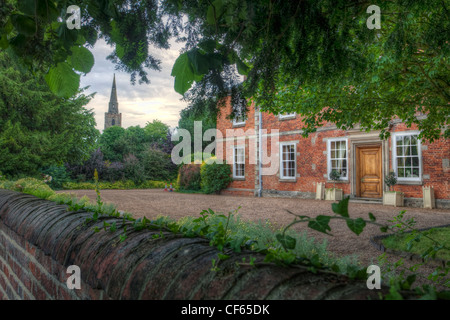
x=312, y=162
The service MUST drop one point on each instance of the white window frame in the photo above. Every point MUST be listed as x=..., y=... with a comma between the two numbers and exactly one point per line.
x=394, y=155
x=282, y=144
x=239, y=118
x=283, y=116
x=235, y=163
x=329, y=157
x=238, y=123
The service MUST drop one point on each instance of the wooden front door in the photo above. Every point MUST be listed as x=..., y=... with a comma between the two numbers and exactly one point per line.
x=368, y=172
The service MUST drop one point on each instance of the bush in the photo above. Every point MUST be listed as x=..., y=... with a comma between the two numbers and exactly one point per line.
x=85, y=171
x=31, y=186
x=120, y=185
x=134, y=169
x=390, y=180
x=158, y=165
x=113, y=171
x=189, y=177
x=58, y=176
x=215, y=177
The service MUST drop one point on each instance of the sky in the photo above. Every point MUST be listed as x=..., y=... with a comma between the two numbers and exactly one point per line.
x=137, y=103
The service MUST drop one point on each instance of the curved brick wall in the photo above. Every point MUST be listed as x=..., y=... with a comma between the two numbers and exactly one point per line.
x=40, y=239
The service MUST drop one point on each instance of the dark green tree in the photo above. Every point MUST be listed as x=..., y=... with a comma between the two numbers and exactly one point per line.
x=37, y=128
x=198, y=111
x=315, y=57
x=110, y=143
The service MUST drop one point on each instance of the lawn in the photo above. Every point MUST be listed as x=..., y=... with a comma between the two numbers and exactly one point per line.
x=400, y=242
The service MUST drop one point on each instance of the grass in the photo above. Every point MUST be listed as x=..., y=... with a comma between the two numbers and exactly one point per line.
x=441, y=235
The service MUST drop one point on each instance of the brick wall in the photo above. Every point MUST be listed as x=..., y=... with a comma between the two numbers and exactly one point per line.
x=311, y=159
x=39, y=240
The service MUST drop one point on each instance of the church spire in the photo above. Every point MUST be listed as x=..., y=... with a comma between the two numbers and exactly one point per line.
x=113, y=117
x=113, y=103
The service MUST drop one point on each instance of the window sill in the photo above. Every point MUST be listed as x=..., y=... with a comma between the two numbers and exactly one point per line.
x=286, y=118
x=340, y=181
x=238, y=125
x=410, y=183
x=238, y=179
x=287, y=180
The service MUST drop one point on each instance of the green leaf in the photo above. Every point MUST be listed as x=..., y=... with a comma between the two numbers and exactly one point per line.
x=320, y=224
x=286, y=241
x=356, y=225
x=208, y=45
x=81, y=59
x=341, y=207
x=242, y=67
x=23, y=24
x=223, y=257
x=372, y=217
x=62, y=80
x=183, y=73
x=4, y=42
x=384, y=229
x=214, y=12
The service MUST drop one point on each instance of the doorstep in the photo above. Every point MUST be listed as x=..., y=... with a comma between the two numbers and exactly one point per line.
x=367, y=200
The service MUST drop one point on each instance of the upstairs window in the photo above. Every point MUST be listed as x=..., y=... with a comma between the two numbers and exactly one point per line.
x=283, y=116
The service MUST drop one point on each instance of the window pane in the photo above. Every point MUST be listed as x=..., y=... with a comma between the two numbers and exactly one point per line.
x=408, y=162
x=399, y=151
x=408, y=172
x=413, y=140
x=400, y=162
x=416, y=172
x=414, y=150
x=407, y=140
x=401, y=172
x=407, y=150
x=415, y=161
x=399, y=141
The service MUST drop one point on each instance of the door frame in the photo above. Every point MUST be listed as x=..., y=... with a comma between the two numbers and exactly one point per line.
x=359, y=139
x=357, y=165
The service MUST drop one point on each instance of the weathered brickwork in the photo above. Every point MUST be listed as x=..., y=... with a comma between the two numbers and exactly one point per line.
x=311, y=158
x=39, y=240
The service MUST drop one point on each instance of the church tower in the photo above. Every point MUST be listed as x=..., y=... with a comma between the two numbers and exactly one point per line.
x=113, y=117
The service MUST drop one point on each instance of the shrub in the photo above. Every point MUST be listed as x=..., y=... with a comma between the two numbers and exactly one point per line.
x=189, y=177
x=113, y=171
x=158, y=165
x=81, y=172
x=122, y=185
x=58, y=176
x=134, y=169
x=214, y=176
x=390, y=180
x=31, y=186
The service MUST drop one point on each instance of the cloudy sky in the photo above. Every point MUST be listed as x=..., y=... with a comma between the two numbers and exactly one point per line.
x=139, y=103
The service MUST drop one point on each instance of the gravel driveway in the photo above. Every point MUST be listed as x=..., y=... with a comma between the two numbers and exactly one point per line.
x=152, y=202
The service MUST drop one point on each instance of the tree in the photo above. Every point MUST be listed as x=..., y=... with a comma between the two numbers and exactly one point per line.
x=156, y=131
x=198, y=111
x=37, y=128
x=317, y=55
x=110, y=143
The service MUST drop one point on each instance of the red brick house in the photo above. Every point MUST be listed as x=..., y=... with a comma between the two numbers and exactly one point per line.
x=362, y=159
